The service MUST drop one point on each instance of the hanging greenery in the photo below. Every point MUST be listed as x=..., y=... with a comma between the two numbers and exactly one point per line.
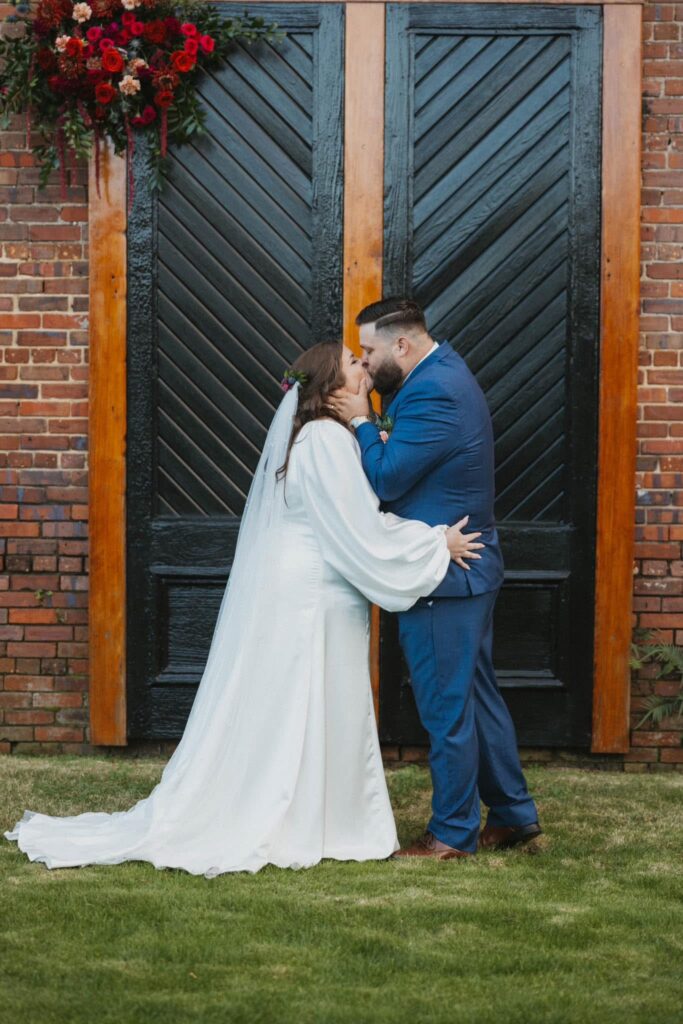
x=110, y=69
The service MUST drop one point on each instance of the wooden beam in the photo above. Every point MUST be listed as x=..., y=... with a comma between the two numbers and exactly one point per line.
x=364, y=191
x=107, y=465
x=621, y=117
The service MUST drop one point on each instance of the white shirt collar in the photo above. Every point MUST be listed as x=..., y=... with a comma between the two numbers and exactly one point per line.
x=432, y=349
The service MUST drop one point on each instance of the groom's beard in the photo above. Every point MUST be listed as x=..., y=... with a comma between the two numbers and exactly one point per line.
x=388, y=377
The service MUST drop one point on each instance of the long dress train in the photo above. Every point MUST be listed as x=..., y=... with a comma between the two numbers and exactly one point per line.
x=279, y=762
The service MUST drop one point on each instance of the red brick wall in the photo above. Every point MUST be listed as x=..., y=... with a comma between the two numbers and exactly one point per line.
x=658, y=585
x=43, y=455
x=43, y=430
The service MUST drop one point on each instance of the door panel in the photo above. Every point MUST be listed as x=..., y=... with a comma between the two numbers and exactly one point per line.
x=492, y=223
x=234, y=271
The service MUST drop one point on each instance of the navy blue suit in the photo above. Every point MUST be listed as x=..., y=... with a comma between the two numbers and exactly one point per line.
x=438, y=466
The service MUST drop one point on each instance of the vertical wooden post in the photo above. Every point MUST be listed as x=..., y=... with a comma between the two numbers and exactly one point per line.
x=618, y=374
x=364, y=191
x=363, y=161
x=107, y=463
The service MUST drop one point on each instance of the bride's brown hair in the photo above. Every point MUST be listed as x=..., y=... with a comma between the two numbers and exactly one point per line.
x=322, y=365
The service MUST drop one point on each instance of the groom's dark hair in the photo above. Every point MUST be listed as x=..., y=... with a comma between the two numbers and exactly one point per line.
x=395, y=311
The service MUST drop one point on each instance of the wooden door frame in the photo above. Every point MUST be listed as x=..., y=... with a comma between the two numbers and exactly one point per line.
x=363, y=242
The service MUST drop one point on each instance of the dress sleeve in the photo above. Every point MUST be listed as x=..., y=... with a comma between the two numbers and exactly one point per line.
x=392, y=561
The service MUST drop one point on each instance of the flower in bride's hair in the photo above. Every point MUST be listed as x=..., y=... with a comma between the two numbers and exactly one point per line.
x=291, y=378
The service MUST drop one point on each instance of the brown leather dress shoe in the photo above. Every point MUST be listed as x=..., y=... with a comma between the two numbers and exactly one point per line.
x=429, y=846
x=501, y=837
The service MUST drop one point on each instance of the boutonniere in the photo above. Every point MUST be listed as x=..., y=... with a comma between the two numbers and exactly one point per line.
x=384, y=423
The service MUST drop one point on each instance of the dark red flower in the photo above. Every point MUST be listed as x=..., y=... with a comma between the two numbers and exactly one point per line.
x=154, y=32
x=55, y=82
x=172, y=24
x=104, y=9
x=124, y=37
x=191, y=46
x=112, y=61
x=137, y=28
x=46, y=59
x=74, y=48
x=105, y=44
x=128, y=17
x=188, y=29
x=94, y=33
x=164, y=98
x=53, y=12
x=207, y=43
x=149, y=114
x=182, y=61
x=105, y=92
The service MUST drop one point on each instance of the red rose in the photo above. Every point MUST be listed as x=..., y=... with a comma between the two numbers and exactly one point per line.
x=55, y=82
x=164, y=98
x=191, y=46
x=154, y=32
x=124, y=37
x=182, y=61
x=74, y=48
x=172, y=24
x=112, y=61
x=46, y=59
x=137, y=28
x=104, y=92
x=149, y=114
x=105, y=44
x=207, y=43
x=128, y=17
x=94, y=33
x=188, y=29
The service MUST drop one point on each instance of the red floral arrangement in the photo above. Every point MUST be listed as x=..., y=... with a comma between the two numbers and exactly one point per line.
x=99, y=69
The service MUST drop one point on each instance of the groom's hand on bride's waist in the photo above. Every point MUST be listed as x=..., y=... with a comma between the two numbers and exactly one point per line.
x=462, y=545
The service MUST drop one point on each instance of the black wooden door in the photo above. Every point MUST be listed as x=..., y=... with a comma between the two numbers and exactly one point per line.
x=492, y=222
x=232, y=273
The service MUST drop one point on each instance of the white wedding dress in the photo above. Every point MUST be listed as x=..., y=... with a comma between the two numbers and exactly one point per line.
x=279, y=762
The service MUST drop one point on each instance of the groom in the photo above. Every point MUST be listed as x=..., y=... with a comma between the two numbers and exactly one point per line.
x=436, y=465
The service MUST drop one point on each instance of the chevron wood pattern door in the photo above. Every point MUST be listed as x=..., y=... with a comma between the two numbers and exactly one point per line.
x=491, y=219
x=492, y=195
x=234, y=271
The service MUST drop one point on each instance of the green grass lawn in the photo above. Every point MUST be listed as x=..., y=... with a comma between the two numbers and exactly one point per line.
x=589, y=928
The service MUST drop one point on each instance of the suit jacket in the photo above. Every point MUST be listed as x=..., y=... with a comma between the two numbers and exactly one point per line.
x=438, y=463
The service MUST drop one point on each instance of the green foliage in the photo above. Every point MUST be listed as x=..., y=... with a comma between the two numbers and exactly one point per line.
x=669, y=661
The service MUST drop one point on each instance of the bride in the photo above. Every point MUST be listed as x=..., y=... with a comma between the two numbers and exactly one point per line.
x=280, y=762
